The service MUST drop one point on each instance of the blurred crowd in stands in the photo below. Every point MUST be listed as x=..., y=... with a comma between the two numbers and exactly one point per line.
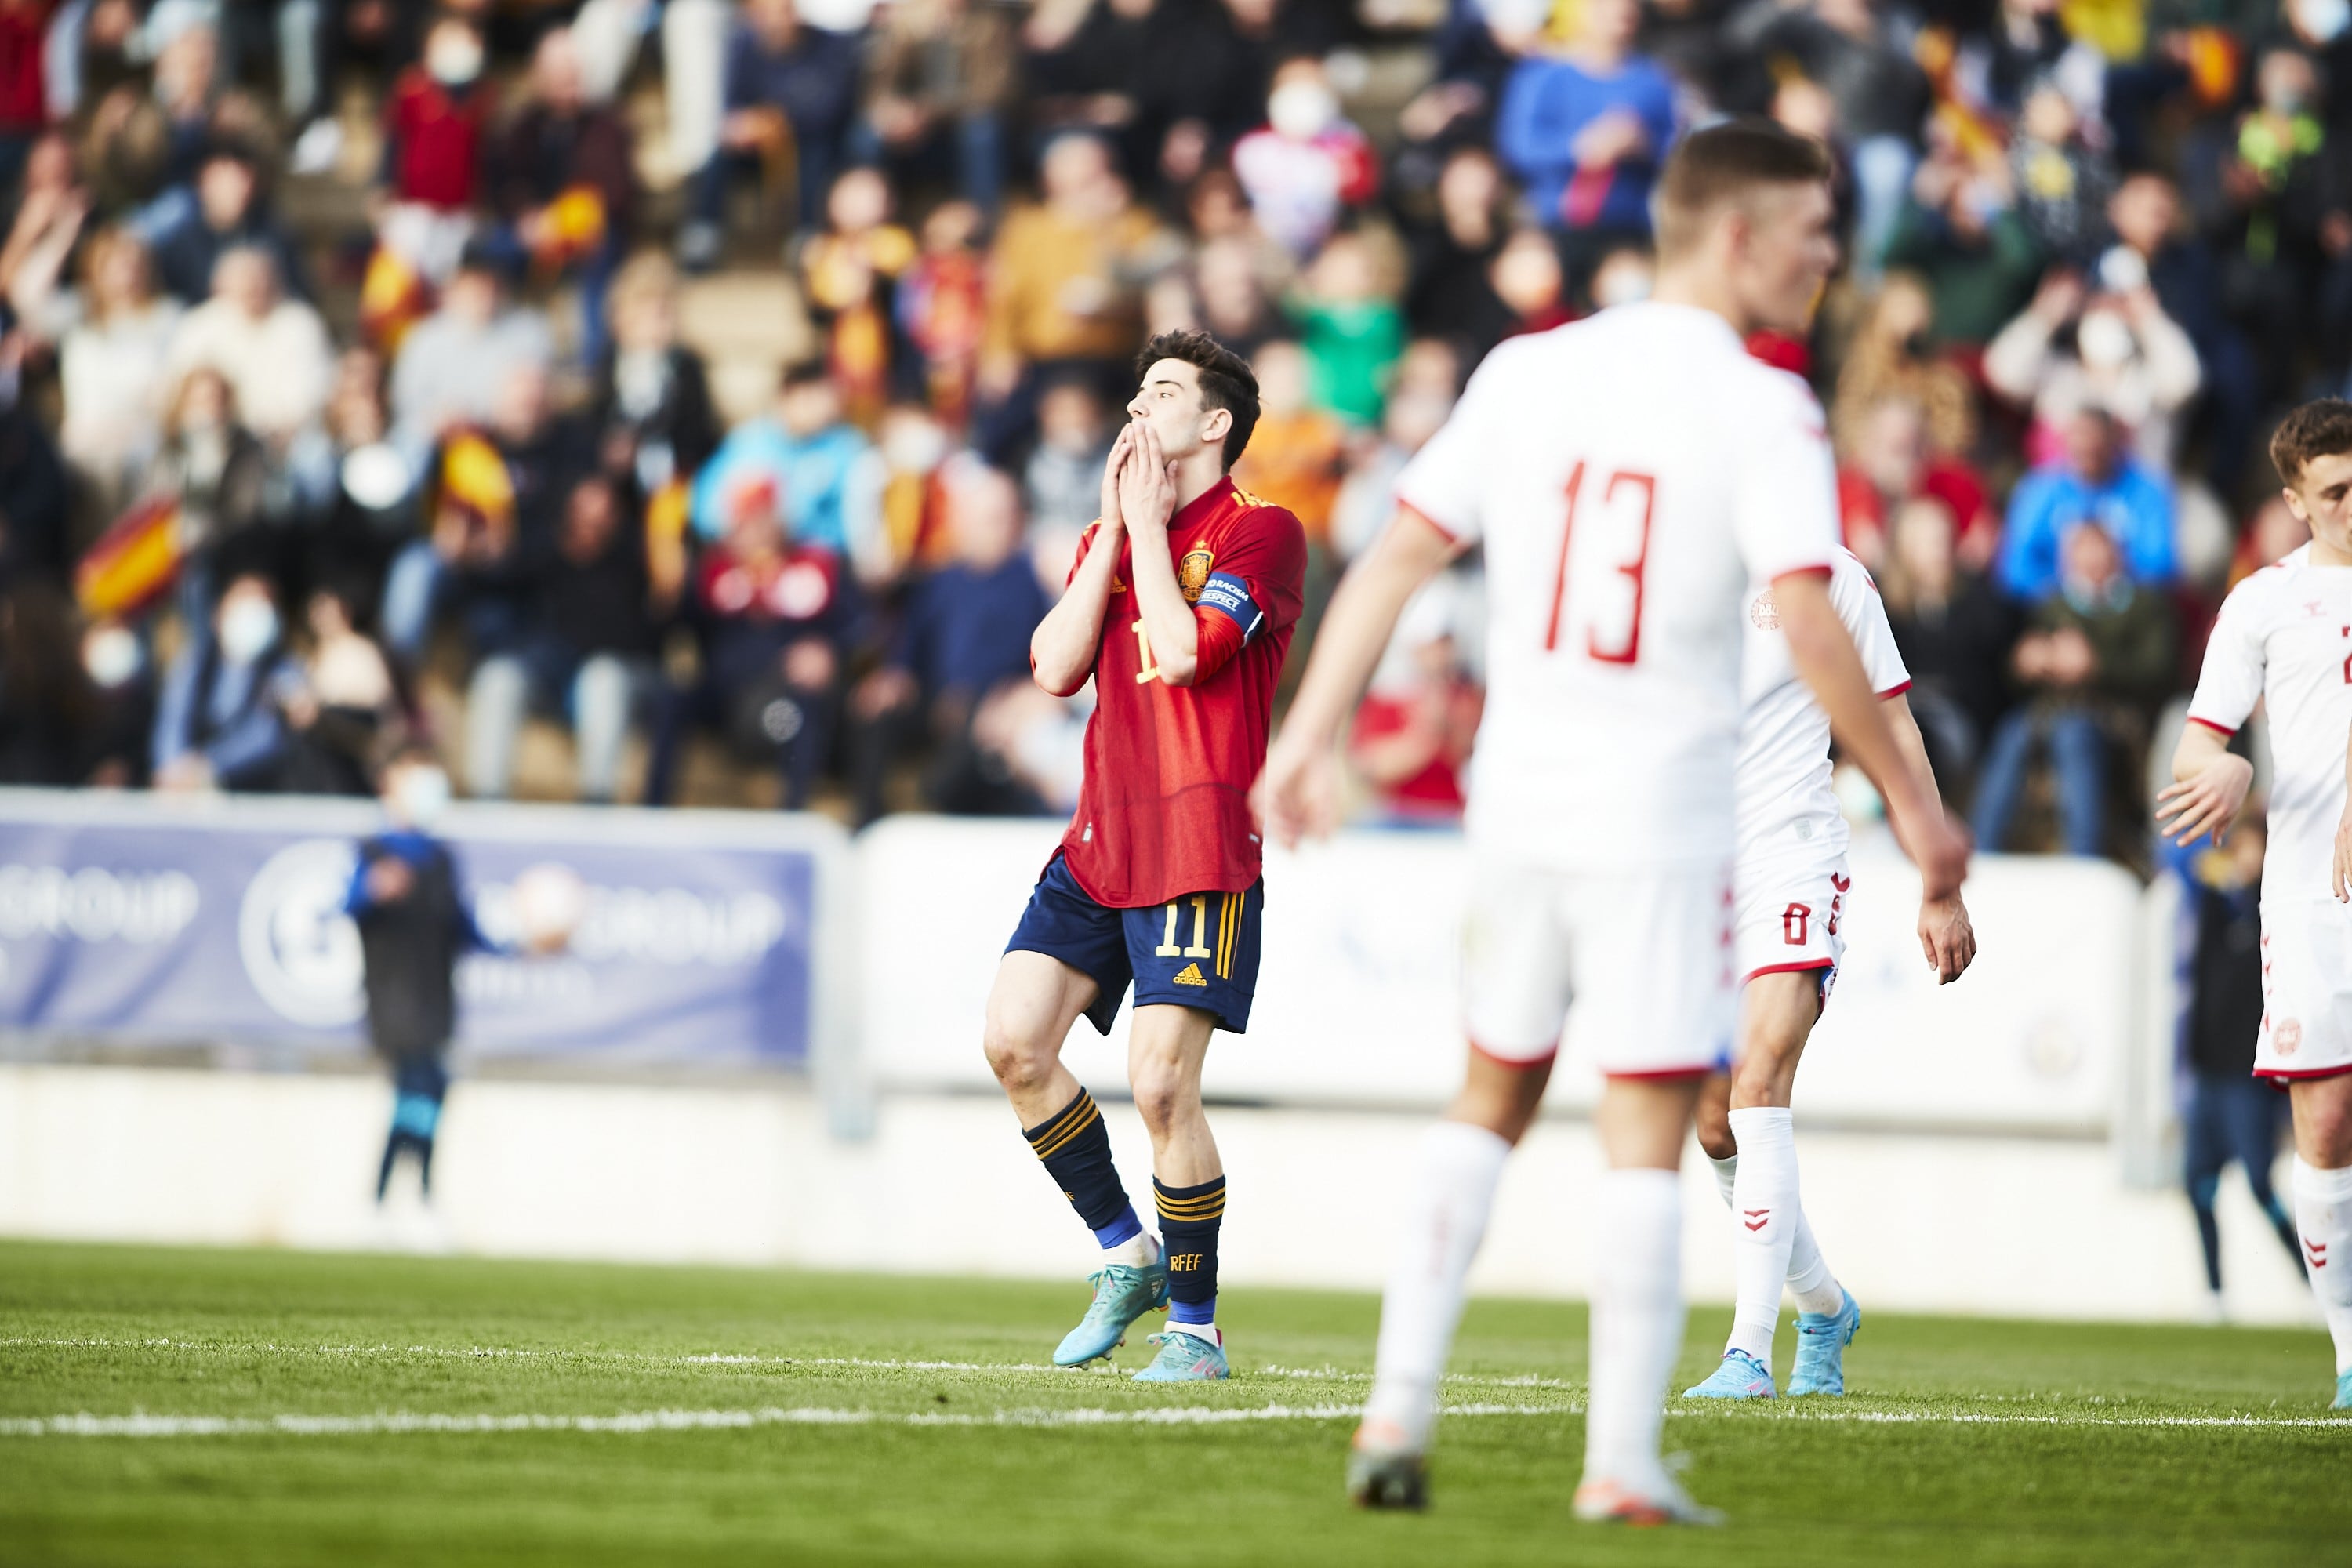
x=362, y=370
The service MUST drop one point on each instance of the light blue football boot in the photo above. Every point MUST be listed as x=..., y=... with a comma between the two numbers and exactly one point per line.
x=1738, y=1376
x=2343, y=1390
x=1123, y=1293
x=1184, y=1357
x=1821, y=1338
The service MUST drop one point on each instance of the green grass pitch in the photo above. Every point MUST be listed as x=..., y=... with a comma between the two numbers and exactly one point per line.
x=267, y=1407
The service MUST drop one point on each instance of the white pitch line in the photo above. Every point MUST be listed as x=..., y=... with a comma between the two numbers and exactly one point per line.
x=714, y=1358
x=632, y=1423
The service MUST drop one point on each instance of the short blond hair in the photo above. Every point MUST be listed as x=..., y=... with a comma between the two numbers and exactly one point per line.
x=1726, y=162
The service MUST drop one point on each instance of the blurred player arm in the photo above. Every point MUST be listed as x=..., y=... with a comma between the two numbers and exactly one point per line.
x=1824, y=655
x=1063, y=649
x=2210, y=784
x=1945, y=934
x=1301, y=792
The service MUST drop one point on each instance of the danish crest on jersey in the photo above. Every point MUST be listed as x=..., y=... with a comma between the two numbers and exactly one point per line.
x=1192, y=573
x=1765, y=612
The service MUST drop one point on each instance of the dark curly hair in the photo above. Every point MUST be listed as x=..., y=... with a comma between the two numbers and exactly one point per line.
x=1226, y=380
x=2318, y=429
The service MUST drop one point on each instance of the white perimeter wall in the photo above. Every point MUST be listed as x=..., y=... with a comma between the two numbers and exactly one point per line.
x=2009, y=1226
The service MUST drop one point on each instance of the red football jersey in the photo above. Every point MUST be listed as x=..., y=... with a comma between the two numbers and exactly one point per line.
x=1164, y=808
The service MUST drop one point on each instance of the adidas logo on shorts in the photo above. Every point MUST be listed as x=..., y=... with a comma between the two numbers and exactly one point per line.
x=1191, y=975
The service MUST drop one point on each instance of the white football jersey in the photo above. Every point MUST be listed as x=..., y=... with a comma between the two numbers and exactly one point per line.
x=2284, y=637
x=1630, y=475
x=1785, y=794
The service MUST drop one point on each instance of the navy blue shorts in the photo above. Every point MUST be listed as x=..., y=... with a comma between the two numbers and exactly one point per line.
x=1199, y=952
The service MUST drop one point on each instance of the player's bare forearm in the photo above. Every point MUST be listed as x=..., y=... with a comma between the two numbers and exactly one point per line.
x=1062, y=649
x=1824, y=655
x=1823, y=652
x=1361, y=618
x=1947, y=935
x=1168, y=620
x=2209, y=785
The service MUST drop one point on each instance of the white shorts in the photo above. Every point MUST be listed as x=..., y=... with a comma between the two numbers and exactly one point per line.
x=2306, y=992
x=1792, y=914
x=1644, y=957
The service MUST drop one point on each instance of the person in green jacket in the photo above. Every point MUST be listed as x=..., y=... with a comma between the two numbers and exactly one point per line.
x=2097, y=655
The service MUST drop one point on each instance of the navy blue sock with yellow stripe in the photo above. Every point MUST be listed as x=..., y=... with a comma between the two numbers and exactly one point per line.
x=1188, y=1218
x=1076, y=1148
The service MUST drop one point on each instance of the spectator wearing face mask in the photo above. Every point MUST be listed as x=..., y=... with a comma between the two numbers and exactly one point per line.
x=2126, y=356
x=2098, y=653
x=436, y=121
x=220, y=723
x=1308, y=164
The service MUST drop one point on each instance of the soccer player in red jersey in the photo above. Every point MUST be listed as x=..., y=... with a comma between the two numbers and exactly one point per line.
x=1181, y=606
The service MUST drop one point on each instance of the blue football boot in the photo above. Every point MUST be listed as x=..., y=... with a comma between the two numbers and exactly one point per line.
x=1821, y=1338
x=1739, y=1377
x=1184, y=1357
x=1123, y=1293
x=2343, y=1390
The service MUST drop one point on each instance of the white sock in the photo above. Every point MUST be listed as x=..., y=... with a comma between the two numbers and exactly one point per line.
x=2323, y=1217
x=1445, y=1219
x=1763, y=1224
x=1140, y=1250
x=1816, y=1288
x=1637, y=1324
x=1726, y=1173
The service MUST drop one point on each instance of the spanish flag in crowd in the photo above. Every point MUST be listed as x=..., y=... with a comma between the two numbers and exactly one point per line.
x=134, y=563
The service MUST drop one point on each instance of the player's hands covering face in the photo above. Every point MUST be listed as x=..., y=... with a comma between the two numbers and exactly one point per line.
x=2207, y=801
x=1119, y=450
x=1147, y=490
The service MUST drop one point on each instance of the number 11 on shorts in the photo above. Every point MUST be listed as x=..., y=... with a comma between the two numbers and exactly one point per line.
x=1199, y=948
